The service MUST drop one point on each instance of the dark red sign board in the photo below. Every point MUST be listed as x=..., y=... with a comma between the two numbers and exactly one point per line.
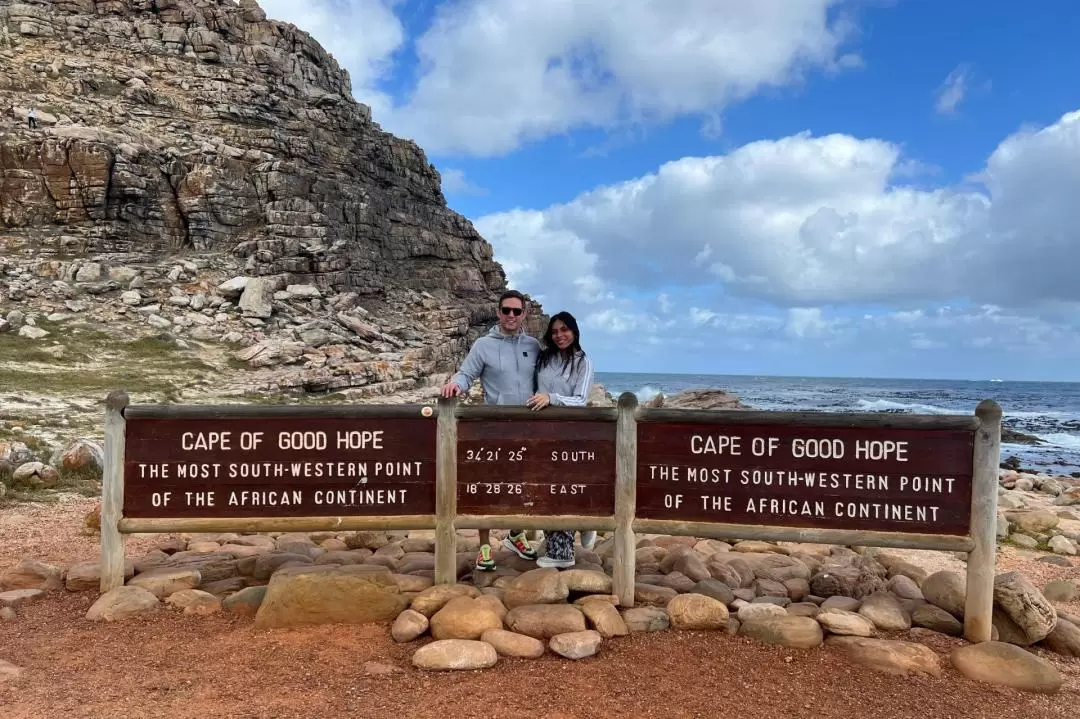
x=542, y=467
x=279, y=467
x=899, y=480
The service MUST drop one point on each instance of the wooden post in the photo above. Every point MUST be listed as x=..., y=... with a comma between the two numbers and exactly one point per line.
x=446, y=493
x=982, y=560
x=625, y=499
x=112, y=493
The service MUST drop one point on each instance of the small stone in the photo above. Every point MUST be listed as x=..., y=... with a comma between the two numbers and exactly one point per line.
x=245, y=602
x=749, y=612
x=121, y=603
x=716, y=589
x=838, y=621
x=1062, y=545
x=1060, y=590
x=576, y=645
x=936, y=619
x=409, y=625
x=885, y=612
x=17, y=597
x=645, y=619
x=605, y=619
x=194, y=602
x=511, y=644
x=946, y=589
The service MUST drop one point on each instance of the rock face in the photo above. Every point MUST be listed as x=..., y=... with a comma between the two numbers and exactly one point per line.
x=201, y=127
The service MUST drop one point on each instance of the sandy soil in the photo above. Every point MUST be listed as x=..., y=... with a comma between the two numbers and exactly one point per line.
x=175, y=666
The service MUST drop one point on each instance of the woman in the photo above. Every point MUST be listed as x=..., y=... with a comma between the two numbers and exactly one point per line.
x=563, y=377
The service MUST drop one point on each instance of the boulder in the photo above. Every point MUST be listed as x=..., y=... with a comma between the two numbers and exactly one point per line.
x=455, y=654
x=1064, y=639
x=328, y=594
x=605, y=619
x=409, y=625
x=1022, y=602
x=788, y=631
x=946, y=590
x=511, y=644
x=838, y=621
x=885, y=612
x=163, y=581
x=576, y=645
x=32, y=574
x=465, y=618
x=645, y=619
x=889, y=656
x=122, y=603
x=697, y=611
x=544, y=621
x=936, y=619
x=1007, y=665
x=435, y=598
x=537, y=586
x=194, y=602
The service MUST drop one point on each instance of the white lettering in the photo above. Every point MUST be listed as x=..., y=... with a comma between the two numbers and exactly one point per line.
x=817, y=448
x=360, y=439
x=302, y=440
x=878, y=449
x=206, y=441
x=720, y=444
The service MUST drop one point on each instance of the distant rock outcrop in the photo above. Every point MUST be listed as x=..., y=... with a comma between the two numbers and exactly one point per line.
x=180, y=143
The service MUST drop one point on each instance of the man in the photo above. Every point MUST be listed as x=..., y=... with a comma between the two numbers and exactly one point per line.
x=503, y=360
x=31, y=119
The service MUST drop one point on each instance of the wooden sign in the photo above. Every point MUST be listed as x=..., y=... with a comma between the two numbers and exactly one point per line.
x=540, y=467
x=883, y=479
x=279, y=467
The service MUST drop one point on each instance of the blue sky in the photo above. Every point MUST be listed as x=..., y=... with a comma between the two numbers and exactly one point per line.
x=867, y=188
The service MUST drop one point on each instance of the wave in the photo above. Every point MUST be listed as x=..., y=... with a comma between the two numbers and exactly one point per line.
x=646, y=393
x=1061, y=439
x=884, y=405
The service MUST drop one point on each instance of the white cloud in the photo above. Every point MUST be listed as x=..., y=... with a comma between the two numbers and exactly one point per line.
x=496, y=74
x=814, y=221
x=953, y=90
x=808, y=226
x=454, y=182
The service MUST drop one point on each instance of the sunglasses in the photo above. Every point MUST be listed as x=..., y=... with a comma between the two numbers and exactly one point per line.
x=515, y=311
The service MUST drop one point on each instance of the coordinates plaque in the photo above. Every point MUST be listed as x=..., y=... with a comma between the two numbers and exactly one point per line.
x=540, y=467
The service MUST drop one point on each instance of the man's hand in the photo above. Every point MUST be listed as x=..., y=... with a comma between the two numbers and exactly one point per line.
x=450, y=389
x=539, y=401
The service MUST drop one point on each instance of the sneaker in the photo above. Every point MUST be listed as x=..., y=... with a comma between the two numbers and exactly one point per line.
x=557, y=563
x=519, y=545
x=588, y=540
x=484, y=562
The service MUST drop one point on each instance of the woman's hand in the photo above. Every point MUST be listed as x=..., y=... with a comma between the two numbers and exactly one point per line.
x=539, y=401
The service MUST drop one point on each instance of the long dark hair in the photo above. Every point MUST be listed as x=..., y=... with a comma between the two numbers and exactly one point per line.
x=550, y=351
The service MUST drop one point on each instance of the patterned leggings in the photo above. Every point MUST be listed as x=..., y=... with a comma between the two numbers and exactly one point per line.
x=560, y=544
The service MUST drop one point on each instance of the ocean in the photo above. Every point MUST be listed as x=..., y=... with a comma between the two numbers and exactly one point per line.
x=1047, y=410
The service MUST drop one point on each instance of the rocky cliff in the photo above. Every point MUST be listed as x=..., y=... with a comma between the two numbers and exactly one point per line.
x=203, y=172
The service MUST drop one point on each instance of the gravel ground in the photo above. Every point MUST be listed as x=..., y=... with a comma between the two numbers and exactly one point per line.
x=175, y=666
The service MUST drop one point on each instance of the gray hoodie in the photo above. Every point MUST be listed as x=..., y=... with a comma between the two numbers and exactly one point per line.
x=504, y=364
x=567, y=384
